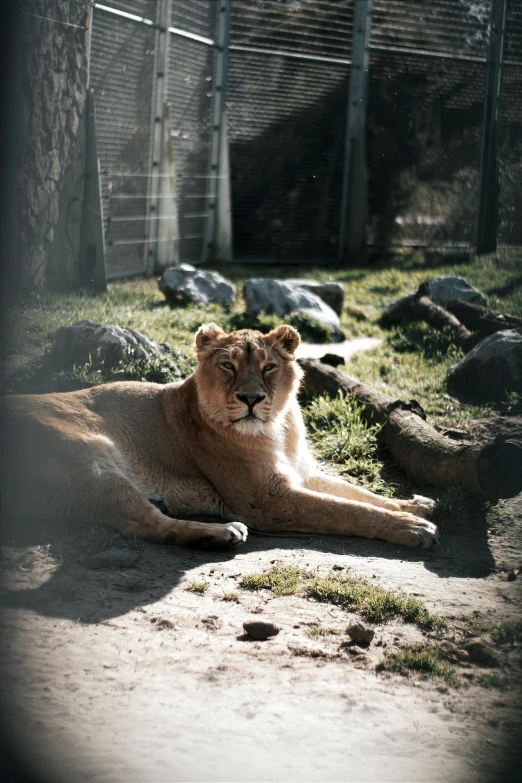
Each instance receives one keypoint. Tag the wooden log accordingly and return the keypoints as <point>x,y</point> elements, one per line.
<point>483,320</point>
<point>425,309</point>
<point>490,471</point>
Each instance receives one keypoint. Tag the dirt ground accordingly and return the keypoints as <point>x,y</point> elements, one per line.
<point>114,671</point>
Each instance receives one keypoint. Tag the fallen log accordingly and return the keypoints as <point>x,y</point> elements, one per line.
<point>423,308</point>
<point>419,306</point>
<point>483,320</point>
<point>490,471</point>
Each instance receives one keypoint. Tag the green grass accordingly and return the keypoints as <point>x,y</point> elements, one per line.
<point>231,596</point>
<point>340,435</point>
<point>317,632</point>
<point>494,680</point>
<point>373,602</point>
<point>197,587</point>
<point>426,662</point>
<point>508,633</point>
<point>280,580</point>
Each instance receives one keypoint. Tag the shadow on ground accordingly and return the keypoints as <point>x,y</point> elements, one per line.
<point>71,587</point>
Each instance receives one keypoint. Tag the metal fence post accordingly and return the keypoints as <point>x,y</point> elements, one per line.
<point>92,242</point>
<point>354,204</point>
<point>487,210</point>
<point>219,223</point>
<point>162,64</point>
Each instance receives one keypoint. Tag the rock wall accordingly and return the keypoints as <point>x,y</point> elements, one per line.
<point>47,144</point>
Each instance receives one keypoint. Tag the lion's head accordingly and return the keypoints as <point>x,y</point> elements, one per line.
<point>246,379</point>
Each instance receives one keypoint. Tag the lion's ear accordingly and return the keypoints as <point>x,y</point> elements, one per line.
<point>286,336</point>
<point>206,334</point>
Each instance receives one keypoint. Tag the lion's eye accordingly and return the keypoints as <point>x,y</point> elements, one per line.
<point>228,365</point>
<point>269,367</point>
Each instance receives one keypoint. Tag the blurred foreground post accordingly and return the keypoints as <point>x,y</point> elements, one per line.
<point>487,212</point>
<point>354,207</point>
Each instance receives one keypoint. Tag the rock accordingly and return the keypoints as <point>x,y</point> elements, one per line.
<point>512,575</point>
<point>360,634</point>
<point>283,298</point>
<point>462,655</point>
<point>479,652</point>
<point>450,288</point>
<point>491,368</point>
<point>259,630</point>
<point>74,344</point>
<point>331,293</point>
<point>184,284</point>
<point>112,558</point>
<point>332,359</point>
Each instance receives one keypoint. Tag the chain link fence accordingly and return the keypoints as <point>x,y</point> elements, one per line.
<point>289,65</point>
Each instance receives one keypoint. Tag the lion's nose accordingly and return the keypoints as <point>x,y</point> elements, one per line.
<point>250,399</point>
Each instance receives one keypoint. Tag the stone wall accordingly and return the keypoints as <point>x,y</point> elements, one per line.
<point>48,144</point>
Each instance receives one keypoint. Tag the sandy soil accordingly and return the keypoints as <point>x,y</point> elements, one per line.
<point>121,674</point>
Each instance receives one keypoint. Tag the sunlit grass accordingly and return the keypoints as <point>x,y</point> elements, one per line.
<point>426,662</point>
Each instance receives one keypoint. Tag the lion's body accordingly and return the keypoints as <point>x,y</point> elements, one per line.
<point>228,441</point>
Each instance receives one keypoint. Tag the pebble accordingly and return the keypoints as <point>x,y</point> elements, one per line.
<point>462,655</point>
<point>360,634</point>
<point>259,630</point>
<point>512,575</point>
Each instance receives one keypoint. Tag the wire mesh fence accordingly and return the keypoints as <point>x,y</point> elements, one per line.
<point>510,132</point>
<point>288,75</point>
<point>286,99</point>
<point>122,71</point>
<point>190,92</point>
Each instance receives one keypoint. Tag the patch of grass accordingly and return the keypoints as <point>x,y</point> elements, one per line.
<point>341,435</point>
<point>280,580</point>
<point>508,633</point>
<point>426,662</point>
<point>197,587</point>
<point>376,604</point>
<point>317,632</point>
<point>233,597</point>
<point>493,680</point>
<point>453,506</point>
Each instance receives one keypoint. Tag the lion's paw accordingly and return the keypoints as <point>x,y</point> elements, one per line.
<point>424,535</point>
<point>419,506</point>
<point>223,536</point>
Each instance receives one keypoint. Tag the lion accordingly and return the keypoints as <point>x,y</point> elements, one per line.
<point>228,441</point>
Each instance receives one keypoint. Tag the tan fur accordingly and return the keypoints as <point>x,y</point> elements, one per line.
<point>228,441</point>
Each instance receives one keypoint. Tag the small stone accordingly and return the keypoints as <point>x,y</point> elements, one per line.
<point>360,633</point>
<point>112,558</point>
<point>512,575</point>
<point>332,359</point>
<point>337,568</point>
<point>462,655</point>
<point>259,630</point>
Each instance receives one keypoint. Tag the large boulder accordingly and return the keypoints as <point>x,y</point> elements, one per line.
<point>490,369</point>
<point>281,298</point>
<point>185,284</point>
<point>451,288</point>
<point>330,292</point>
<point>74,344</point>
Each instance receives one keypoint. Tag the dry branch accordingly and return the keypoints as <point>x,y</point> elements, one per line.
<point>425,309</point>
<point>491,471</point>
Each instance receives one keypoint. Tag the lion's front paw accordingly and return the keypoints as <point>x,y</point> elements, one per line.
<point>222,536</point>
<point>419,506</point>
<point>423,534</point>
